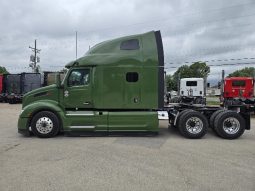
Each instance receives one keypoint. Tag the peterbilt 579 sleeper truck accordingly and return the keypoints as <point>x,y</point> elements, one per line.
<point>118,87</point>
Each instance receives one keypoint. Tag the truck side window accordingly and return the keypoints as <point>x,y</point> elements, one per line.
<point>191,83</point>
<point>132,44</point>
<point>132,77</point>
<point>238,83</point>
<point>79,77</point>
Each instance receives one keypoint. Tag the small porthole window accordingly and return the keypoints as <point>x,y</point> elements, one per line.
<point>132,44</point>
<point>132,77</point>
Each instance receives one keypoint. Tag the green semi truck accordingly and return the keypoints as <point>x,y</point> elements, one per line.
<point>118,87</point>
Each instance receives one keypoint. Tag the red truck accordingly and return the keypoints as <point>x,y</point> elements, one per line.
<point>238,90</point>
<point>1,88</point>
<point>1,83</point>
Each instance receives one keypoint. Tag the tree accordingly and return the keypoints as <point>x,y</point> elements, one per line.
<point>169,82</point>
<point>199,70</point>
<point>3,70</point>
<point>196,70</point>
<point>245,72</point>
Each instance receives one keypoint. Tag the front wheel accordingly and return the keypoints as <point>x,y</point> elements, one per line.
<point>45,124</point>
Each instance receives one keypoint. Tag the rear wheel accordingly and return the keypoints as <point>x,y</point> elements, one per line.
<point>193,125</point>
<point>229,125</point>
<point>181,114</point>
<point>213,116</point>
<point>45,124</point>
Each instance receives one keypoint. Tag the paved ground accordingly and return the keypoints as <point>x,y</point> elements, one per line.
<point>164,162</point>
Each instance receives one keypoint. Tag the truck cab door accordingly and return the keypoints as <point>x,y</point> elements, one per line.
<point>77,91</point>
<point>78,103</point>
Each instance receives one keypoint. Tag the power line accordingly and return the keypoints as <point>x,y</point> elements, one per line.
<point>214,65</point>
<point>233,64</point>
<point>206,51</point>
<point>213,60</point>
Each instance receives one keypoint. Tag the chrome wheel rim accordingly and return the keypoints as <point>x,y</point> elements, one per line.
<point>231,125</point>
<point>44,125</point>
<point>194,125</point>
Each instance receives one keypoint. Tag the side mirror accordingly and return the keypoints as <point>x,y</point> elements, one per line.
<point>57,80</point>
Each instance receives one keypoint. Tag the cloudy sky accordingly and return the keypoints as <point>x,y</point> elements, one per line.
<point>219,31</point>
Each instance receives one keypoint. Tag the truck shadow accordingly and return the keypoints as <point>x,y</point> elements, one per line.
<point>174,132</point>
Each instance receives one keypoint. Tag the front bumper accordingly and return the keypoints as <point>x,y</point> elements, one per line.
<point>24,132</point>
<point>23,126</point>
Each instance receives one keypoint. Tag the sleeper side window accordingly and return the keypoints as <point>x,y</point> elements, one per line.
<point>132,44</point>
<point>132,77</point>
<point>79,77</point>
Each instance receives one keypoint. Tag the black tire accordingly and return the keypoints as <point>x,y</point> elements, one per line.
<point>48,124</point>
<point>213,116</point>
<point>221,122</point>
<point>181,114</point>
<point>186,118</point>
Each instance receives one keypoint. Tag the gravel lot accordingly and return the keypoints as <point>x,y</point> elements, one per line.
<point>165,162</point>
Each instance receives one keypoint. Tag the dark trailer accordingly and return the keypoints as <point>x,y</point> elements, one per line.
<point>19,84</point>
<point>49,77</point>
<point>2,87</point>
<point>13,87</point>
<point>30,81</point>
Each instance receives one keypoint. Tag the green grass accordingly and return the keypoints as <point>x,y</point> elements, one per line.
<point>212,102</point>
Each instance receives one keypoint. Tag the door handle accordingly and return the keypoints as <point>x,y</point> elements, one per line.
<point>86,103</point>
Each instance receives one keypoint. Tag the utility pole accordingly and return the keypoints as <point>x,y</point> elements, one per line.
<point>222,82</point>
<point>178,83</point>
<point>205,85</point>
<point>254,74</point>
<point>205,82</point>
<point>34,58</point>
<point>76,45</point>
<point>165,84</point>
